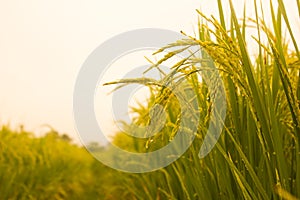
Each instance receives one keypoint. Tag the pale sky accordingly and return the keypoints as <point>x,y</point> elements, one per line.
<point>44,43</point>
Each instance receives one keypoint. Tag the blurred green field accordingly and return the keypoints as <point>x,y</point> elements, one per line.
<point>256,157</point>
<point>49,167</point>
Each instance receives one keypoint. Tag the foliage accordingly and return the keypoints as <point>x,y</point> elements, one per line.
<point>257,156</point>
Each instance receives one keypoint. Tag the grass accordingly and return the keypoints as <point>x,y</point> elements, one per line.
<point>256,157</point>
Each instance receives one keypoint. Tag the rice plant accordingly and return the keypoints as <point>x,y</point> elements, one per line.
<point>257,155</point>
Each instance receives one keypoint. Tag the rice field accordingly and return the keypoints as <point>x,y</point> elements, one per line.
<point>256,157</point>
